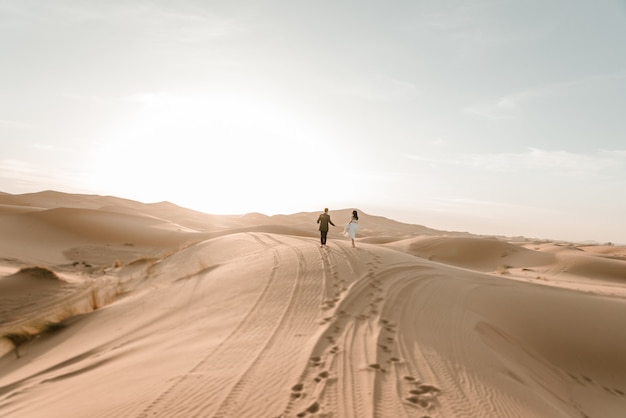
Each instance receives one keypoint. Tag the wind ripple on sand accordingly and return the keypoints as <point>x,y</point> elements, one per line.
<point>408,340</point>
<point>343,332</point>
<point>245,361</point>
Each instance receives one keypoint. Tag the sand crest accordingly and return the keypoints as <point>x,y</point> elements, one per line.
<point>115,308</point>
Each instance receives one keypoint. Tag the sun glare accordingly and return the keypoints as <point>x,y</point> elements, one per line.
<point>223,153</point>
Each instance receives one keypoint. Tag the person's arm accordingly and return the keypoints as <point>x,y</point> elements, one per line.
<point>331,222</point>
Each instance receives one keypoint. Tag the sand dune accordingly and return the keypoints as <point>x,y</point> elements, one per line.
<point>156,311</point>
<point>484,254</point>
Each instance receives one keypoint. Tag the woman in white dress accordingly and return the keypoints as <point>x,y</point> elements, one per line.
<point>352,227</point>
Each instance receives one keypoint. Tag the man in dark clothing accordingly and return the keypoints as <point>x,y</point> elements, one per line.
<point>324,220</point>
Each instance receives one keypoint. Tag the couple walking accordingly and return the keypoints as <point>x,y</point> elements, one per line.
<point>349,230</point>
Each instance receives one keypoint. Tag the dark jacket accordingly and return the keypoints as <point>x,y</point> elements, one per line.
<point>324,220</point>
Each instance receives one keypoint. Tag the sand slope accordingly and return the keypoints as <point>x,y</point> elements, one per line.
<point>253,319</point>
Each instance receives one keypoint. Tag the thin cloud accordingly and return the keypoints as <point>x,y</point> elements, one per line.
<point>191,27</point>
<point>506,107</point>
<point>15,166</point>
<point>438,142</point>
<point>379,87</point>
<point>562,163</point>
<point>480,207</point>
<point>614,153</point>
<point>12,124</point>
<point>146,98</point>
<point>176,22</point>
<point>469,29</point>
<point>22,176</point>
<point>42,147</point>
<point>510,106</point>
<point>19,174</point>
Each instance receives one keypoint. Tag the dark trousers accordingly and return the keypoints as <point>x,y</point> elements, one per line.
<point>323,235</point>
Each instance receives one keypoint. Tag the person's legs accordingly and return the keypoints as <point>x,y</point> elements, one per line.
<point>323,237</point>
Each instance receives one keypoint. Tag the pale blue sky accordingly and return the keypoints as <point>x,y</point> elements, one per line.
<point>493,117</point>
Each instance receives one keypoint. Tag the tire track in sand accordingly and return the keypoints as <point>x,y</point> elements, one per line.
<point>296,320</point>
<point>333,382</point>
<point>183,390</point>
<point>356,369</point>
<point>236,363</point>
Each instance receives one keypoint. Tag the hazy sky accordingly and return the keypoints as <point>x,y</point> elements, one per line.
<point>494,117</point>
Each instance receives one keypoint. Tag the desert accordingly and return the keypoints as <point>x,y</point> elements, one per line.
<point>164,170</point>
<point>115,308</point>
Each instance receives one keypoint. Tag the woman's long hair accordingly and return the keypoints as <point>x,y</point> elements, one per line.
<point>355,215</point>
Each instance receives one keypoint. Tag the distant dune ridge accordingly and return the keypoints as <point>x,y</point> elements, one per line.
<point>115,308</point>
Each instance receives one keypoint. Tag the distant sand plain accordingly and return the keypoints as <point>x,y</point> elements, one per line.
<point>114,308</point>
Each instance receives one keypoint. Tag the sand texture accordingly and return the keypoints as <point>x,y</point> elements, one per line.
<point>114,308</point>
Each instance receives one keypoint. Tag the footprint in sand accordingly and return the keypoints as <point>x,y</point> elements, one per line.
<point>582,379</point>
<point>426,404</point>
<point>587,379</point>
<point>296,391</point>
<point>323,375</point>
<point>385,348</point>
<point>423,395</point>
<point>315,407</point>
<point>376,367</point>
<point>316,361</point>
<point>608,389</point>
<point>312,409</point>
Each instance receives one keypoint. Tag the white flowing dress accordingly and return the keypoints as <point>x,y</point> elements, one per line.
<point>351,228</point>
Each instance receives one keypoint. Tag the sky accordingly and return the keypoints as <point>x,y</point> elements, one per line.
<point>493,117</point>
